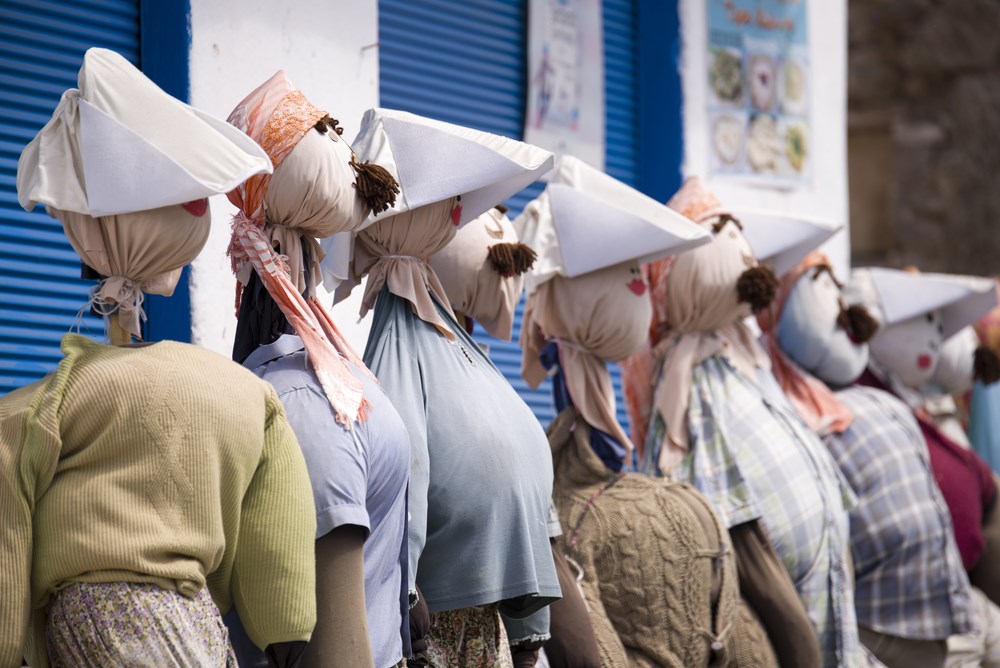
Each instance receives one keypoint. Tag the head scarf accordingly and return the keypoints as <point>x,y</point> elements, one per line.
<point>697,313</point>
<point>595,318</point>
<point>313,192</point>
<point>394,251</point>
<point>482,271</point>
<point>814,401</point>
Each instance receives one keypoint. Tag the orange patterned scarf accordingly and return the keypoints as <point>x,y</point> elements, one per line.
<point>277,116</point>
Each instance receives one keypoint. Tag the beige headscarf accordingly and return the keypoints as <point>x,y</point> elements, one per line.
<point>394,252</point>
<point>481,270</point>
<point>697,314</point>
<point>141,252</point>
<point>596,318</point>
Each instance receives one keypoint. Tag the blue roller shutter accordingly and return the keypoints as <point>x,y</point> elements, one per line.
<point>465,62</point>
<point>41,48</point>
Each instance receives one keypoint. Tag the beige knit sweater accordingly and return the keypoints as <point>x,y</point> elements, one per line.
<point>651,570</point>
<point>166,464</point>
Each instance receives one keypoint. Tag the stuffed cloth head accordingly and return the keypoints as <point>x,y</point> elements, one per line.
<point>700,301</point>
<point>448,175</point>
<point>596,318</point>
<point>587,292</point>
<point>316,190</point>
<point>394,251</point>
<point>809,333</point>
<point>482,271</point>
<point>126,168</point>
<point>917,313</point>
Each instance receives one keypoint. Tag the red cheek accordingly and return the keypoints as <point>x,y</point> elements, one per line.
<point>196,208</point>
<point>638,286</point>
<point>924,361</point>
<point>456,214</point>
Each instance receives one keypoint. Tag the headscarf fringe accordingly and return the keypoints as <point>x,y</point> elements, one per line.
<point>376,186</point>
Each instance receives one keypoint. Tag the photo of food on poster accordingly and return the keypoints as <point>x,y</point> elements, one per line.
<point>758,91</point>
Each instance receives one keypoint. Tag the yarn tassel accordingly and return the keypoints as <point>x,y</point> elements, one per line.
<point>857,322</point>
<point>509,259</point>
<point>757,287</point>
<point>986,366</point>
<point>376,186</point>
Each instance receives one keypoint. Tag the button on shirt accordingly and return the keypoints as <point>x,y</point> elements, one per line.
<point>359,480</point>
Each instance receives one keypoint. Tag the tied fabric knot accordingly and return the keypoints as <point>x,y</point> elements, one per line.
<point>121,296</point>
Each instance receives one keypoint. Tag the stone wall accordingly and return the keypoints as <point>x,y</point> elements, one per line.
<point>924,133</point>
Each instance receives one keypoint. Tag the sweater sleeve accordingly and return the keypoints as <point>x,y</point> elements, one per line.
<point>274,575</point>
<point>18,487</point>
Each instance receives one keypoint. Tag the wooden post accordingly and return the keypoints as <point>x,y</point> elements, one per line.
<point>119,337</point>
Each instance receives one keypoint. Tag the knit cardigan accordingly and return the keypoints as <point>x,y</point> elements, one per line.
<point>163,464</point>
<point>649,565</point>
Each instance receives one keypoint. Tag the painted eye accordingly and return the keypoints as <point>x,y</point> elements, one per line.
<point>941,328</point>
<point>930,317</point>
<point>732,234</point>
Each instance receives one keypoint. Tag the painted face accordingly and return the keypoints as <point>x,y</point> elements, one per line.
<point>637,283</point>
<point>812,335</point>
<point>910,349</point>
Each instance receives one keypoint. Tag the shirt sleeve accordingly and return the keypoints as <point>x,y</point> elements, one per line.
<point>274,577</point>
<point>402,379</point>
<point>29,447</point>
<point>336,461</point>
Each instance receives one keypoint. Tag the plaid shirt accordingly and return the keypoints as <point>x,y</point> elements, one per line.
<point>754,459</point>
<point>909,576</point>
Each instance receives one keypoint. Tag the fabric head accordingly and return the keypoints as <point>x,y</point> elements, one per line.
<point>482,271</point>
<point>816,328</point>
<point>316,190</point>
<point>806,336</point>
<point>141,252</point>
<point>126,168</point>
<point>394,251</point>
<point>955,369</point>
<point>596,318</point>
<point>448,175</point>
<point>917,313</point>
<point>698,312</point>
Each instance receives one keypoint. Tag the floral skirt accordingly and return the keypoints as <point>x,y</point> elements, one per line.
<point>469,638</point>
<point>135,625</point>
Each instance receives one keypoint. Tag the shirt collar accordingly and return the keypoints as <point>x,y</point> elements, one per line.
<point>285,345</point>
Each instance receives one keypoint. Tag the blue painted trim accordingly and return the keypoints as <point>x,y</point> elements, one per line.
<point>164,53</point>
<point>660,104</point>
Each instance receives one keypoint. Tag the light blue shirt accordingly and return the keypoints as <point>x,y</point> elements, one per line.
<point>480,470</point>
<point>359,481</point>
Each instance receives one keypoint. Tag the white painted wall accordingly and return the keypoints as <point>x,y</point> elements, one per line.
<point>826,196</point>
<point>330,52</point>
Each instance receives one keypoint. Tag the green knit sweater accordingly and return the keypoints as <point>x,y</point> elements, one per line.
<point>163,464</point>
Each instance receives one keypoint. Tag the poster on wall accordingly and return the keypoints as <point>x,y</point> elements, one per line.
<point>565,111</point>
<point>758,91</point>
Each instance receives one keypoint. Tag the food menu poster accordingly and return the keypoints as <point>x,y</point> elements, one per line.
<point>758,91</point>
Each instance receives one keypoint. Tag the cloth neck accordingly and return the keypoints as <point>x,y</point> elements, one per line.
<point>610,451</point>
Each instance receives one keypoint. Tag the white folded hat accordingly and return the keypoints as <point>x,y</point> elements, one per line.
<point>895,296</point>
<point>781,240</point>
<point>586,220</point>
<point>119,144</point>
<point>433,160</point>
